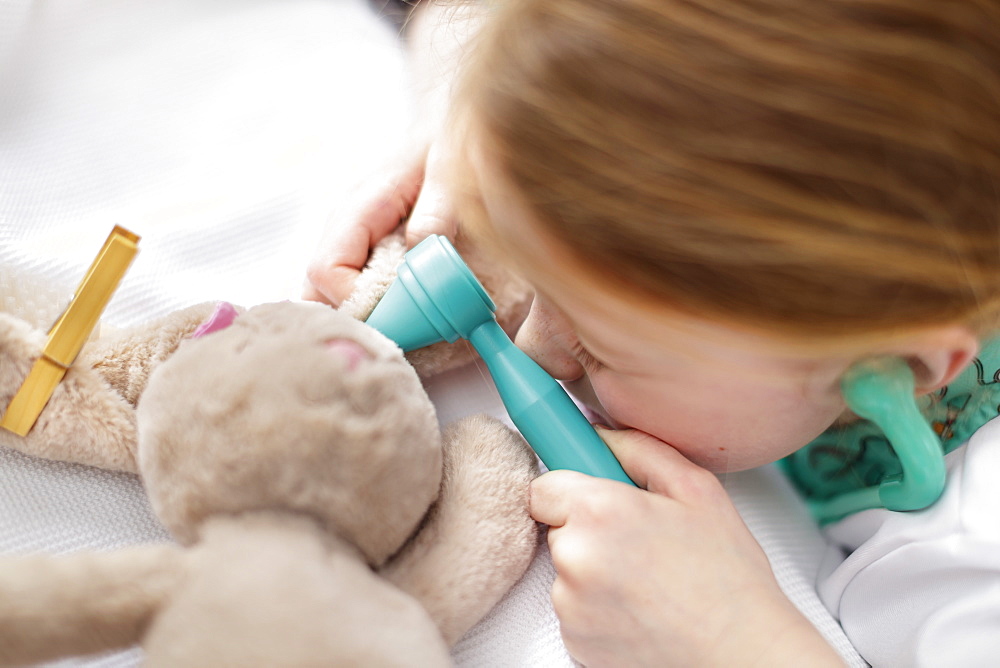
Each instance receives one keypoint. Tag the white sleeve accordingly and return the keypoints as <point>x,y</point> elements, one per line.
<point>923,588</point>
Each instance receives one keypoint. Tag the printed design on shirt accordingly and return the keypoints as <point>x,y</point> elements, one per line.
<point>959,409</point>
<point>945,427</point>
<point>862,460</point>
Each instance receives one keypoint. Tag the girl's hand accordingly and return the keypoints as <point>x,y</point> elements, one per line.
<point>413,188</point>
<point>668,576</point>
<point>411,191</point>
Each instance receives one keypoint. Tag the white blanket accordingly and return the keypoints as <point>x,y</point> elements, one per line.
<point>225,133</point>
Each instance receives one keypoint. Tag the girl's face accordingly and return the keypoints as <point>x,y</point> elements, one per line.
<point>727,399</point>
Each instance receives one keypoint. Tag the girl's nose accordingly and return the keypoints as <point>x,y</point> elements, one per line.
<point>546,337</point>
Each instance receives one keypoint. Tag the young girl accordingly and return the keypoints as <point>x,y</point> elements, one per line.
<point>724,207</point>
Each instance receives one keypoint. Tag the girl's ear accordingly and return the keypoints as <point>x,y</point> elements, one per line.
<point>939,355</point>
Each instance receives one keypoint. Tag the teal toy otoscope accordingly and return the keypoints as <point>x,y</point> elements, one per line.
<point>436,298</point>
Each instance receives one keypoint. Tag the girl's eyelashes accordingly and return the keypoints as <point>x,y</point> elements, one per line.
<point>589,362</point>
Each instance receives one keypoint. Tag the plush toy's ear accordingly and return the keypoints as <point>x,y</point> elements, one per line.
<point>375,279</point>
<point>57,606</point>
<point>512,296</point>
<point>126,359</point>
<point>222,317</point>
<point>478,539</point>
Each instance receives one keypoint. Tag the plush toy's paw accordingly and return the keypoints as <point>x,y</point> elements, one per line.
<point>511,295</point>
<point>478,539</point>
<point>58,606</point>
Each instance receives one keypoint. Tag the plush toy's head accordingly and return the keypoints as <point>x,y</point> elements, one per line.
<point>298,408</point>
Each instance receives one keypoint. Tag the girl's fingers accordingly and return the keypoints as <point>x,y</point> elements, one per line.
<point>553,494</point>
<point>651,463</point>
<point>432,213</point>
<point>332,272</point>
<point>380,206</point>
<point>658,467</point>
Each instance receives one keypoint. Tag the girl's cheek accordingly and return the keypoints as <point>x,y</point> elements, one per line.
<point>632,406</point>
<point>621,405</point>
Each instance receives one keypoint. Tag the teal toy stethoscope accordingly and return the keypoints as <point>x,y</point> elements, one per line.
<point>436,298</point>
<point>881,391</point>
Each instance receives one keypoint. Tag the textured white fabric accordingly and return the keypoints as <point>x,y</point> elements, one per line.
<point>224,132</point>
<point>923,588</point>
<point>794,545</point>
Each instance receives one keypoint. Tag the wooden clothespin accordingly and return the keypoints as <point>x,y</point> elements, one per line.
<point>71,330</point>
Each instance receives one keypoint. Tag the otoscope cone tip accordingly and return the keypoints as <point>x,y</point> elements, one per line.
<point>399,317</point>
<point>435,298</point>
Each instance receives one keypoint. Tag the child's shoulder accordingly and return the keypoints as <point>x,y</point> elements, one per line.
<point>919,588</point>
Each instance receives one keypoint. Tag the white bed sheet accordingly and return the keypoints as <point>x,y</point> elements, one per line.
<point>224,133</point>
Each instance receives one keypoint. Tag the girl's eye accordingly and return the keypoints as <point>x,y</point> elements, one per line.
<point>589,362</point>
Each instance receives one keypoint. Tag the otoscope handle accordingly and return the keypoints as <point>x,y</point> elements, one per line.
<point>542,410</point>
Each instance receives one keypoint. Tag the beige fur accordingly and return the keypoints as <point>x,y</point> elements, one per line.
<point>324,518</point>
<point>126,358</point>
<point>468,511</point>
<point>77,604</point>
<point>90,418</point>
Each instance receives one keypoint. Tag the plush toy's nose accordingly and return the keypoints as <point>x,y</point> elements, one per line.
<point>351,352</point>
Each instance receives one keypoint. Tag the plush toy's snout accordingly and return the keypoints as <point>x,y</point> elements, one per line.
<point>352,352</point>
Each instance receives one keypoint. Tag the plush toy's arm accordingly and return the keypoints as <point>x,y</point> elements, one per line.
<point>84,421</point>
<point>56,606</point>
<point>90,418</point>
<point>275,590</point>
<point>478,539</point>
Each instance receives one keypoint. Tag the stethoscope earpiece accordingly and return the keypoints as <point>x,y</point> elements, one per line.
<point>882,391</point>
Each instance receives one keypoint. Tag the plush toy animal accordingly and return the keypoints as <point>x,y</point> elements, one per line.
<point>321,516</point>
